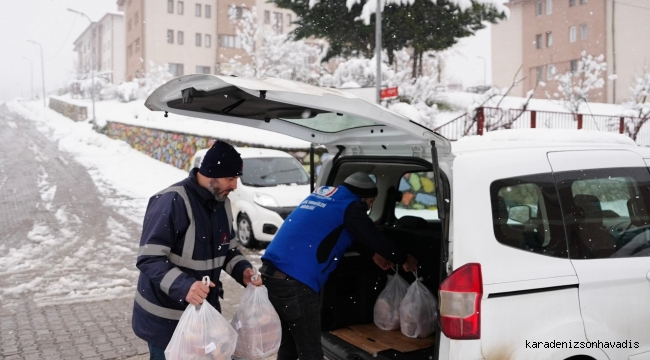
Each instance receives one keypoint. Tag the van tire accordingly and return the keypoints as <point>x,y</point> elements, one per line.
<point>580,357</point>
<point>245,232</point>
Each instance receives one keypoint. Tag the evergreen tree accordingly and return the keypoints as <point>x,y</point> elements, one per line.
<point>423,25</point>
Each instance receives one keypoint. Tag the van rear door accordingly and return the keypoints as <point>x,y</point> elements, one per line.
<point>605,197</point>
<point>318,115</point>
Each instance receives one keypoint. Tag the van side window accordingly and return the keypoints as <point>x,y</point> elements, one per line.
<point>418,196</point>
<point>526,215</point>
<point>606,212</point>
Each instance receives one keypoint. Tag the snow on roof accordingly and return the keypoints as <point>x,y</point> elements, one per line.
<point>536,137</point>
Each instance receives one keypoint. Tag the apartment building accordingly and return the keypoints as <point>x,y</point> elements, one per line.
<point>104,39</point>
<point>542,37</point>
<point>185,36</point>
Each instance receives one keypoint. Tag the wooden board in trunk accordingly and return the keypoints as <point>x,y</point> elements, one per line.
<point>372,339</point>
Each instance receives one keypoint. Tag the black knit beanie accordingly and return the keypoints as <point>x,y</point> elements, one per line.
<point>222,160</point>
<point>361,184</point>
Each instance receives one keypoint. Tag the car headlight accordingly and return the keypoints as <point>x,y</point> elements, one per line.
<point>264,200</point>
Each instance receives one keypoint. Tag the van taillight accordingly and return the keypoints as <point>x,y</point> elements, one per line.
<point>460,303</point>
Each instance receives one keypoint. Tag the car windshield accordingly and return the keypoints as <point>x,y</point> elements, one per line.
<point>272,171</point>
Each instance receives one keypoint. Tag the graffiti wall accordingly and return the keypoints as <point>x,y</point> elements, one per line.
<point>177,148</point>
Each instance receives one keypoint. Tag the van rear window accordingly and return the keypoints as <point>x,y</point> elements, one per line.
<point>526,215</point>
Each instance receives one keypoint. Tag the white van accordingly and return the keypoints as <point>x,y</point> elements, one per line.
<point>273,184</point>
<point>536,250</point>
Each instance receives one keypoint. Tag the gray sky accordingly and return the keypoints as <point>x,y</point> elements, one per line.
<point>49,23</point>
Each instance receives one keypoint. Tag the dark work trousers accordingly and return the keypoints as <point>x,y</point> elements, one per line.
<point>298,306</point>
<point>156,353</point>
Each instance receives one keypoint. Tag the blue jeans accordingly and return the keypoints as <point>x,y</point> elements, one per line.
<point>299,309</point>
<point>156,353</point>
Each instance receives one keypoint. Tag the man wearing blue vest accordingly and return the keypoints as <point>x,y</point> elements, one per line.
<point>307,248</point>
<point>187,234</point>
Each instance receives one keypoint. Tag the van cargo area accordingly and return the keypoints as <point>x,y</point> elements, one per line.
<point>348,298</point>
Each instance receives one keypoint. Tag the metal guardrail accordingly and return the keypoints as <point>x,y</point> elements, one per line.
<point>486,119</point>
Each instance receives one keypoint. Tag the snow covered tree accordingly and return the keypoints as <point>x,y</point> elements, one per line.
<point>422,25</point>
<point>574,86</point>
<point>639,104</point>
<point>272,54</point>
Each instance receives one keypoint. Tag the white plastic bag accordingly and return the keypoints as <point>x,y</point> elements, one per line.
<point>257,324</point>
<point>386,313</point>
<point>418,312</point>
<point>202,333</point>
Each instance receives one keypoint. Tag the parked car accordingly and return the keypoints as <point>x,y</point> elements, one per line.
<point>536,250</point>
<point>273,184</point>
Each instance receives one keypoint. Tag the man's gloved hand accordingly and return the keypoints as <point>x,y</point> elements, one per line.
<point>198,292</point>
<point>411,264</point>
<point>248,277</point>
<point>382,262</point>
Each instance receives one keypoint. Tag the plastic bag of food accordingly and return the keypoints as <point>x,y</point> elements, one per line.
<point>386,313</point>
<point>202,333</point>
<point>257,324</point>
<point>418,314</point>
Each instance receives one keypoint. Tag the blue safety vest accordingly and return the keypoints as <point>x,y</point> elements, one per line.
<point>312,240</point>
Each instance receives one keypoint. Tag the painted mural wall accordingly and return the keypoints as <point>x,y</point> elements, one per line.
<point>177,148</point>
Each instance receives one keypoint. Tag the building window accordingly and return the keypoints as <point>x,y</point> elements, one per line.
<point>549,7</point>
<point>197,10</point>
<point>583,31</point>
<point>170,6</point>
<point>582,2</point>
<point>208,40</point>
<point>136,19</point>
<point>230,41</point>
<point>574,66</point>
<point>170,36</point>
<point>277,22</point>
<point>540,73</point>
<point>202,69</point>
<point>181,8</point>
<point>539,8</point>
<point>208,11</point>
<point>550,72</point>
<point>181,38</point>
<point>267,17</point>
<point>239,12</point>
<point>175,69</point>
<point>129,25</point>
<point>549,39</point>
<point>137,45</point>
<point>129,51</point>
<point>572,34</point>
<point>572,3</point>
<point>288,19</point>
<point>538,41</point>
<point>198,39</point>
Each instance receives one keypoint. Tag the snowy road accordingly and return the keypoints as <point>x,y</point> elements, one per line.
<point>60,242</point>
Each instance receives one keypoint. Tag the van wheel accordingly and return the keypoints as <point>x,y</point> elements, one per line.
<point>245,232</point>
<point>580,357</point>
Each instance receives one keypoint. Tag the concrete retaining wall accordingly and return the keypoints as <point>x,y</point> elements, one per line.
<point>74,112</point>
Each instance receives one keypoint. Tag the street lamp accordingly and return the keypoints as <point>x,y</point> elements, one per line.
<point>31,74</point>
<point>484,69</point>
<point>378,49</point>
<point>92,58</point>
<point>42,69</point>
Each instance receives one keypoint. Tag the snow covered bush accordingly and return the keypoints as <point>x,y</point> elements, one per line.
<point>574,87</point>
<point>639,104</point>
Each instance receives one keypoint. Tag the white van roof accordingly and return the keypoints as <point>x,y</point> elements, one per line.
<point>518,138</point>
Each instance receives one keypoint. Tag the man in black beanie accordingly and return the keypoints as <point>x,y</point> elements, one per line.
<point>187,234</point>
<point>306,250</point>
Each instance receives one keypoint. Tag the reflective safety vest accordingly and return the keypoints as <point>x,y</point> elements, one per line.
<point>166,276</point>
<point>312,240</point>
